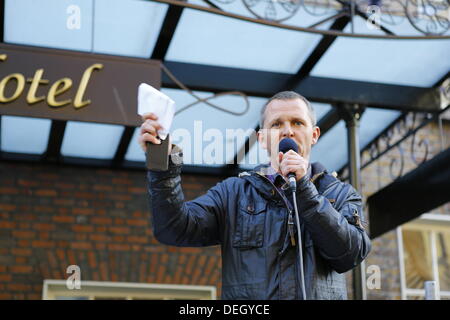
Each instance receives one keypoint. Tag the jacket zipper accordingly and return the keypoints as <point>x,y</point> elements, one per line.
<point>290,223</point>
<point>290,227</point>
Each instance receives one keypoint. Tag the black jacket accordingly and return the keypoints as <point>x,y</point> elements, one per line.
<point>248,217</point>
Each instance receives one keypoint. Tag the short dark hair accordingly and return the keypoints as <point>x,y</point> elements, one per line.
<point>287,95</point>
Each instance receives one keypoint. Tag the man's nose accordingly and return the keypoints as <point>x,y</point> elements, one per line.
<point>287,131</point>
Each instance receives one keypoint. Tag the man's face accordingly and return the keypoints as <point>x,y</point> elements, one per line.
<point>288,119</point>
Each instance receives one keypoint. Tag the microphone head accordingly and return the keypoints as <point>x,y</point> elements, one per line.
<point>287,144</point>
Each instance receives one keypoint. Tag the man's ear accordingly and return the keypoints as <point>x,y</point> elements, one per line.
<point>316,134</point>
<point>262,139</point>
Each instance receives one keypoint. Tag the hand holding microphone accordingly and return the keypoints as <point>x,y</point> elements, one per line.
<point>291,164</point>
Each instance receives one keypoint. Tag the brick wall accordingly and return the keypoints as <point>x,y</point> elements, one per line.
<point>376,176</point>
<point>55,216</point>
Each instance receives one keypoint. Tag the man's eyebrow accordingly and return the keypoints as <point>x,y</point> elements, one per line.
<point>274,120</point>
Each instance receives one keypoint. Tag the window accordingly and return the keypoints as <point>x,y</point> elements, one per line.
<point>95,290</point>
<point>424,255</point>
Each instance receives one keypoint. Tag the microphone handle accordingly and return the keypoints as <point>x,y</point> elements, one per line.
<point>292,181</point>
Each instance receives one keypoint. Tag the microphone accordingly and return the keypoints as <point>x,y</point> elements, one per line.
<point>285,145</point>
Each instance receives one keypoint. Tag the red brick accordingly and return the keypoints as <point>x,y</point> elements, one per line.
<point>64,202</point>
<point>137,214</point>
<point>137,222</point>
<point>65,186</point>
<point>120,197</point>
<point>190,264</point>
<point>137,190</point>
<point>191,250</point>
<point>137,239</point>
<point>44,226</point>
<point>82,228</point>
<point>84,211</point>
<point>161,273</point>
<point>101,212</point>
<point>118,247</point>
<point>81,245</point>
<point>120,205</point>
<point>5,296</point>
<point>99,237</point>
<point>136,248</point>
<point>44,235</point>
<point>19,287</point>
<point>81,237</point>
<point>9,190</point>
<point>21,260</point>
<point>5,277</point>
<point>48,176</point>
<point>121,181</point>
<point>23,234</point>
<point>2,269</point>
<point>24,226</point>
<point>64,219</point>
<point>100,246</point>
<point>119,230</point>
<point>27,183</point>
<point>101,220</point>
<point>210,267</point>
<point>99,187</point>
<point>60,254</point>
<point>7,225</point>
<point>23,243</point>
<point>92,260</point>
<point>42,244</point>
<point>45,193</point>
<point>25,217</point>
<point>119,221</point>
<point>21,269</point>
<point>63,244</point>
<point>44,209</point>
<point>118,238</point>
<point>63,211</point>
<point>101,229</point>
<point>7,207</point>
<point>84,195</point>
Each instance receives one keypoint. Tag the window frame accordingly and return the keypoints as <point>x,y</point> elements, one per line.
<point>127,290</point>
<point>431,223</point>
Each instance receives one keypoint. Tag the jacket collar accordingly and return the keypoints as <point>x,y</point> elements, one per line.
<point>257,177</point>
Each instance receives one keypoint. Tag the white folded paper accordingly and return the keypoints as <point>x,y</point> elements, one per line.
<point>153,100</point>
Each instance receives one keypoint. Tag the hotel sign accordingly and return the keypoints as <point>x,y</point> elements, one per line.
<point>66,85</point>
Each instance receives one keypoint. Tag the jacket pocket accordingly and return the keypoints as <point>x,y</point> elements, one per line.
<point>249,228</point>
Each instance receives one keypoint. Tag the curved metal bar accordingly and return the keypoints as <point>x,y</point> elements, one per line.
<point>295,28</point>
<point>205,100</point>
<point>394,161</point>
<point>422,142</point>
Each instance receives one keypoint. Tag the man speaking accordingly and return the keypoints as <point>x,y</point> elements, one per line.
<point>287,230</point>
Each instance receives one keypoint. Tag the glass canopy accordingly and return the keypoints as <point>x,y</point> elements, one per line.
<point>132,28</point>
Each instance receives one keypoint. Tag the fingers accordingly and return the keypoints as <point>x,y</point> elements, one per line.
<point>292,162</point>
<point>149,131</point>
<point>149,116</point>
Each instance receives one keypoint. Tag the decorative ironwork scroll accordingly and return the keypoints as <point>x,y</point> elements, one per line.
<point>394,137</point>
<point>429,17</point>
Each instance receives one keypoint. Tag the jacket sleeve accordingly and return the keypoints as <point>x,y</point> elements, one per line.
<point>176,222</point>
<point>340,238</point>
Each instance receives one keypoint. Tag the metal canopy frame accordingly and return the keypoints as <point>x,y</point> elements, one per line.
<point>348,98</point>
<point>217,79</point>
